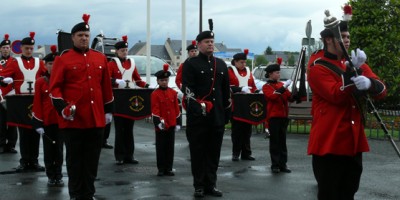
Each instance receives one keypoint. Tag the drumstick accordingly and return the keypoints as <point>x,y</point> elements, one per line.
<point>47,137</point>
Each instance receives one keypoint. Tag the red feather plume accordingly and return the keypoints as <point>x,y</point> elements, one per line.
<point>279,60</point>
<point>53,49</point>
<point>165,67</point>
<point>125,38</point>
<point>6,36</point>
<point>347,9</point>
<point>32,35</point>
<point>194,42</point>
<point>246,51</point>
<point>85,18</point>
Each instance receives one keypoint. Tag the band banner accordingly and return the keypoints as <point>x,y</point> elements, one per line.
<point>19,110</point>
<point>249,108</point>
<point>132,103</point>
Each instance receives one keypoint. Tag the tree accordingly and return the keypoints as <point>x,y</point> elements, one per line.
<point>261,60</point>
<point>268,51</point>
<point>375,29</point>
<point>291,60</point>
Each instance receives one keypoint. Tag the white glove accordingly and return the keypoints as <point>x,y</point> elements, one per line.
<point>246,89</point>
<point>361,82</point>
<point>108,118</point>
<point>359,58</point>
<point>40,131</point>
<point>161,126</point>
<point>8,80</point>
<point>119,81</point>
<point>177,128</point>
<point>287,83</point>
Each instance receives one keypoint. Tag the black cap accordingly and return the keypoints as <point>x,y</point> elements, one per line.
<point>192,46</point>
<point>343,25</point>
<point>238,56</point>
<point>122,44</point>
<point>164,73</point>
<point>51,56</point>
<point>206,34</point>
<point>29,40</point>
<point>83,26</point>
<point>272,68</point>
<point>6,41</point>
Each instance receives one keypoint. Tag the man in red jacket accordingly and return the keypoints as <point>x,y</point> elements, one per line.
<point>192,52</point>
<point>337,137</point>
<point>81,92</point>
<point>277,96</point>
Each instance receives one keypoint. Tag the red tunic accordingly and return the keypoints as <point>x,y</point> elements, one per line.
<point>337,126</point>
<point>126,64</point>
<point>165,106</point>
<point>9,87</point>
<point>82,79</point>
<point>43,109</point>
<point>277,104</point>
<point>178,78</point>
<point>12,70</point>
<point>234,81</point>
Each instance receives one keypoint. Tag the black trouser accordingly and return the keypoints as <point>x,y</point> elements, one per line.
<point>29,141</point>
<point>241,134</point>
<point>338,177</point>
<point>83,147</point>
<point>8,134</point>
<point>165,141</point>
<point>205,142</point>
<point>124,146</point>
<point>107,131</point>
<point>277,142</point>
<point>53,152</point>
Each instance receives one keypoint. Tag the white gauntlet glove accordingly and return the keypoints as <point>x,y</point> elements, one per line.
<point>287,83</point>
<point>40,131</point>
<point>108,118</point>
<point>361,82</point>
<point>246,89</point>
<point>8,80</point>
<point>358,58</point>
<point>160,126</point>
<point>177,128</point>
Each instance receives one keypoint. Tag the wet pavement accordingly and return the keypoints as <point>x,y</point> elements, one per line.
<point>237,180</point>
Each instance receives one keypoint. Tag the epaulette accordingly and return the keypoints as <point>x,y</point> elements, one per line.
<point>65,51</point>
<point>317,51</point>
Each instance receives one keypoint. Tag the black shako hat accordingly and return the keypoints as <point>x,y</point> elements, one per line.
<point>273,67</point>
<point>122,44</point>
<point>328,33</point>
<point>240,56</point>
<point>6,41</point>
<point>29,40</point>
<point>51,56</point>
<point>83,26</point>
<point>192,46</point>
<point>206,34</point>
<point>164,73</point>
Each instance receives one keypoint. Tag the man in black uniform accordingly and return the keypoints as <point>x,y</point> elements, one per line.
<point>8,134</point>
<point>205,82</point>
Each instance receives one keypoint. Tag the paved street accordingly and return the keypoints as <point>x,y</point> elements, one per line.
<point>237,180</point>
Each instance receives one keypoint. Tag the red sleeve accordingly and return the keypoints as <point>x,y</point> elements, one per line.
<point>38,101</point>
<point>42,70</point>
<point>252,84</point>
<point>232,78</point>
<point>57,79</point>
<point>106,86</point>
<point>137,79</point>
<point>155,104</point>
<point>177,110</point>
<point>178,79</point>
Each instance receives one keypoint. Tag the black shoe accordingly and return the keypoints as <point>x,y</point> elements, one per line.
<point>169,173</point>
<point>51,182</point>
<point>132,161</point>
<point>37,168</point>
<point>22,168</point>
<point>213,192</point>
<point>199,193</point>
<point>275,170</point>
<point>285,169</point>
<point>59,183</point>
<point>235,158</point>
<point>160,173</point>
<point>107,146</point>
<point>119,162</point>
<point>9,150</point>
<point>248,158</point>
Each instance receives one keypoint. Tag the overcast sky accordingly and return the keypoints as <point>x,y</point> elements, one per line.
<point>252,24</point>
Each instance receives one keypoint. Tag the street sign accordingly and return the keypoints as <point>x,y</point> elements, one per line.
<point>223,54</point>
<point>308,29</point>
<point>16,46</point>
<point>307,41</point>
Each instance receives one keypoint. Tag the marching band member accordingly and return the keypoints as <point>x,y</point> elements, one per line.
<point>337,138</point>
<point>8,134</point>
<point>166,114</point>
<point>277,96</point>
<point>44,120</point>
<point>81,92</point>
<point>122,71</point>
<point>241,81</point>
<point>192,52</point>
<point>205,82</point>
<point>23,72</point>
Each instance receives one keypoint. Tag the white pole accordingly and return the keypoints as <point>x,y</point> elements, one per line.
<point>184,52</point>
<point>148,45</point>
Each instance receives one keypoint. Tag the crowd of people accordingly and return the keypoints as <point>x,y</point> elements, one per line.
<point>73,107</point>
